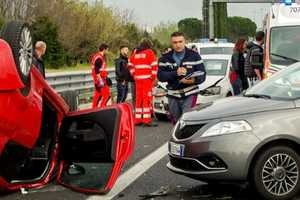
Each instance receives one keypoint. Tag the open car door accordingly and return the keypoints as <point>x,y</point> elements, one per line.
<point>94,146</point>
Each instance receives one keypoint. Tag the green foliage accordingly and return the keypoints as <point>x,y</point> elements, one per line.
<point>240,27</point>
<point>220,19</point>
<point>74,29</point>
<point>191,27</point>
<point>1,22</point>
<point>163,31</point>
<point>44,29</point>
<point>132,35</point>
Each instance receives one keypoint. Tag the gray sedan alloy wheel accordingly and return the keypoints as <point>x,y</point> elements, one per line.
<point>276,173</point>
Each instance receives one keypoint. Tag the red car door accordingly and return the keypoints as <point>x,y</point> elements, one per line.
<point>94,146</point>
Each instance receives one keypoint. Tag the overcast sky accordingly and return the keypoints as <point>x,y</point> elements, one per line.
<point>149,13</point>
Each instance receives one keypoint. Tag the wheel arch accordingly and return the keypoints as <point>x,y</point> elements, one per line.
<point>283,140</point>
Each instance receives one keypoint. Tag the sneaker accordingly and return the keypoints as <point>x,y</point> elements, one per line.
<point>139,124</point>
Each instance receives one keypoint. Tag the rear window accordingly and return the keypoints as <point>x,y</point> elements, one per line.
<point>216,50</point>
<point>215,67</point>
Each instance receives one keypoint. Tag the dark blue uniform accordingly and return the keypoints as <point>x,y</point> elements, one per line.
<point>181,96</point>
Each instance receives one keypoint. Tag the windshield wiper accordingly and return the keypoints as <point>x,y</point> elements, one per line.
<point>285,57</point>
<point>262,96</point>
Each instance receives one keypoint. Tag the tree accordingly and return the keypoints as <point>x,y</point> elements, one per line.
<point>163,31</point>
<point>192,27</point>
<point>17,9</point>
<point>240,27</point>
<point>132,35</point>
<point>1,22</point>
<point>76,28</point>
<point>220,20</point>
<point>44,29</point>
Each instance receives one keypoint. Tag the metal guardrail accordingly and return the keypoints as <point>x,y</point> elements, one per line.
<point>80,81</point>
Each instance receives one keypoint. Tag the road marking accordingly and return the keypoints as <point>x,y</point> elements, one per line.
<point>134,173</point>
<point>52,188</point>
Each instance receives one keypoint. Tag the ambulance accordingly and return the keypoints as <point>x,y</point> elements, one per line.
<point>282,27</point>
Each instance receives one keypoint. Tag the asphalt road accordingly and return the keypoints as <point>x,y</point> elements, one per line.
<point>157,178</point>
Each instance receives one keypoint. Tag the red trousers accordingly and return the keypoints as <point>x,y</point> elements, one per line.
<point>143,101</point>
<point>101,97</point>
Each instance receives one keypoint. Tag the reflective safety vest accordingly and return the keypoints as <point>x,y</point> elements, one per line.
<point>100,81</point>
<point>143,65</point>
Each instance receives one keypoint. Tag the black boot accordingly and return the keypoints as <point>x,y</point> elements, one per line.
<point>151,124</point>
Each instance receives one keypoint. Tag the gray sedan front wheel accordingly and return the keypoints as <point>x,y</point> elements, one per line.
<point>276,173</point>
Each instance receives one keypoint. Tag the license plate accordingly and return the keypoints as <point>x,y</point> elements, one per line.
<point>176,149</point>
<point>157,105</point>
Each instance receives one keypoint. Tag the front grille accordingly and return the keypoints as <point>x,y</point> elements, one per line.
<point>185,164</point>
<point>187,131</point>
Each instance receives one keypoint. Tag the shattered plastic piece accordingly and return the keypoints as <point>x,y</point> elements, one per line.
<point>224,198</point>
<point>202,196</point>
<point>121,195</point>
<point>24,191</point>
<point>181,189</point>
<point>163,191</point>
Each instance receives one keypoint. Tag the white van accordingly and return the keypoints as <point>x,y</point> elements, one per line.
<point>282,27</point>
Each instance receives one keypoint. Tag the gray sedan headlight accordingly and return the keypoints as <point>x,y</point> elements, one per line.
<point>212,91</point>
<point>228,127</point>
<point>159,92</point>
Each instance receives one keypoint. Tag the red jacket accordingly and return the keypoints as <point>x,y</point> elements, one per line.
<point>99,67</point>
<point>143,65</point>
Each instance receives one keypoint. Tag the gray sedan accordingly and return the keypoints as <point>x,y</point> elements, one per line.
<point>254,137</point>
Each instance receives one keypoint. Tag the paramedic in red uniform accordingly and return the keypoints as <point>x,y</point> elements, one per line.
<point>144,66</point>
<point>99,73</point>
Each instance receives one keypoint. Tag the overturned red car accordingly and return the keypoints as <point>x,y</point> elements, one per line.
<point>42,140</point>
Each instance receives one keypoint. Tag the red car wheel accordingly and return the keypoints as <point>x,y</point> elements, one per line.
<point>18,36</point>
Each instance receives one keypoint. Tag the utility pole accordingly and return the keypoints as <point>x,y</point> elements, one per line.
<point>205,14</point>
<point>211,20</point>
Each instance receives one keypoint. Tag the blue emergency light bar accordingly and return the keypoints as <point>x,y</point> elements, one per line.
<point>204,40</point>
<point>288,2</point>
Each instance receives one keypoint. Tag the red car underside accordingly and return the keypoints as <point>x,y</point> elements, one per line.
<point>40,139</point>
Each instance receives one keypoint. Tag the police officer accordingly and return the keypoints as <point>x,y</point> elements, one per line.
<point>143,67</point>
<point>101,81</point>
<point>183,70</point>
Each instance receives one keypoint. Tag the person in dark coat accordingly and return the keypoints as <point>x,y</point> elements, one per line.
<point>237,76</point>
<point>39,51</point>
<point>254,62</point>
<point>122,74</point>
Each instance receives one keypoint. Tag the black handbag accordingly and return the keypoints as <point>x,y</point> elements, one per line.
<point>109,82</point>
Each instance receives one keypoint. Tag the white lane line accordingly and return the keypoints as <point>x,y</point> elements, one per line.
<point>134,173</point>
<point>52,188</point>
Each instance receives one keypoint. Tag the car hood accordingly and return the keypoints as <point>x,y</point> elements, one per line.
<point>211,81</point>
<point>234,106</point>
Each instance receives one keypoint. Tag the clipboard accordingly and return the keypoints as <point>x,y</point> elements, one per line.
<point>193,75</point>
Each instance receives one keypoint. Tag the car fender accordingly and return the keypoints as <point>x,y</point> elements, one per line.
<point>264,143</point>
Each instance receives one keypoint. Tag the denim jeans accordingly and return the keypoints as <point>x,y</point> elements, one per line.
<point>122,90</point>
<point>177,106</point>
<point>237,86</point>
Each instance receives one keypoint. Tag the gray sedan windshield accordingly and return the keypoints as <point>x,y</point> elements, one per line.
<point>284,85</point>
